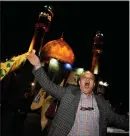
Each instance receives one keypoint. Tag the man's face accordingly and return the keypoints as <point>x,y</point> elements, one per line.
<point>86,82</point>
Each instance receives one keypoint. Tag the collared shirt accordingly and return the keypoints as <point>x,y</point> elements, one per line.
<point>87,121</point>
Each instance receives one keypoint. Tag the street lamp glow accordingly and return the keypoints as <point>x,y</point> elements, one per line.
<point>68,66</point>
<point>79,71</point>
<point>103,83</point>
<point>106,84</point>
<point>53,64</point>
<point>32,84</point>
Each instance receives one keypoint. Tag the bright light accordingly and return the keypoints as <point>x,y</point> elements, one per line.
<point>54,65</point>
<point>103,83</point>
<point>50,7</point>
<point>100,83</point>
<point>79,71</point>
<point>53,62</point>
<point>32,84</point>
<point>96,70</point>
<point>106,84</point>
<point>68,66</point>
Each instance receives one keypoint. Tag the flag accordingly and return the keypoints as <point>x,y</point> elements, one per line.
<point>14,62</point>
<point>38,100</point>
<point>32,44</point>
<point>11,65</point>
<point>44,102</point>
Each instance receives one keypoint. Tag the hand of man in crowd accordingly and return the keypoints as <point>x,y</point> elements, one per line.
<point>33,59</point>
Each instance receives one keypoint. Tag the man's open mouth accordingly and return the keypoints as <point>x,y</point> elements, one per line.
<point>87,84</point>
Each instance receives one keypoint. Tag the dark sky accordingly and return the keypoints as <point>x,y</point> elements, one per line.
<point>79,21</point>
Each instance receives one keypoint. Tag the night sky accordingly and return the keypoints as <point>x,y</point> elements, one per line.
<point>79,21</point>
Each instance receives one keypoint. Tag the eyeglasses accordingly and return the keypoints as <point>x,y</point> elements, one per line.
<point>88,108</point>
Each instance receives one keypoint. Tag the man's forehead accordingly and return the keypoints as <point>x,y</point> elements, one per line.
<point>87,73</point>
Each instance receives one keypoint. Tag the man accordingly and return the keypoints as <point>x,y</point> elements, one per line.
<point>81,113</point>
